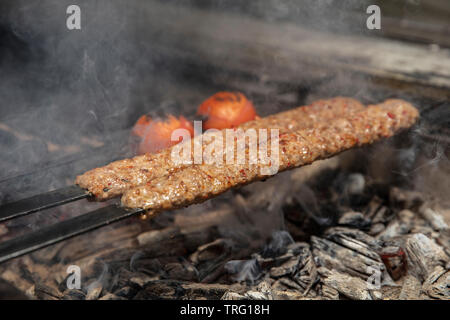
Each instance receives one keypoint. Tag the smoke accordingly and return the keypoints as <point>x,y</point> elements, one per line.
<point>63,91</point>
<point>278,244</point>
<point>64,94</point>
<point>244,270</point>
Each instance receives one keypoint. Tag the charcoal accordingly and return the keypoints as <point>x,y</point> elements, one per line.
<point>355,220</point>
<point>288,268</point>
<point>278,243</point>
<point>179,271</point>
<point>10,292</point>
<point>350,287</point>
<point>125,292</point>
<point>394,258</point>
<point>355,260</point>
<point>73,294</point>
<point>437,285</point>
<point>94,290</point>
<point>401,225</point>
<point>411,288</point>
<point>46,292</point>
<point>405,199</point>
<point>229,295</point>
<point>285,284</point>
<point>212,251</point>
<point>140,280</point>
<point>329,293</point>
<point>111,296</point>
<point>244,270</point>
<point>433,217</point>
<point>376,228</point>
<point>424,255</point>
<point>190,257</point>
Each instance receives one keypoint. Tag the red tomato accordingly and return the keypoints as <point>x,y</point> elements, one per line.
<point>156,134</point>
<point>226,110</point>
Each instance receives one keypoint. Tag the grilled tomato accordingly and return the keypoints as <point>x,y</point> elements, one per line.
<point>156,134</point>
<point>226,110</point>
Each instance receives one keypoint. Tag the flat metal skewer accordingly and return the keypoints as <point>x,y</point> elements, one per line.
<point>63,230</point>
<point>42,201</point>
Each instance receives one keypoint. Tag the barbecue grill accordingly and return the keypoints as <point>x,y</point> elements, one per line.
<point>192,51</point>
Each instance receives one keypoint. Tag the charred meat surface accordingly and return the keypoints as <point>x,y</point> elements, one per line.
<point>117,177</point>
<point>298,146</point>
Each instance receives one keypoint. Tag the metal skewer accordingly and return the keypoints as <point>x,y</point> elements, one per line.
<point>42,201</point>
<point>63,230</point>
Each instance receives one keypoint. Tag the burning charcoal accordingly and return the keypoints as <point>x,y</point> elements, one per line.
<point>354,219</point>
<point>338,232</point>
<point>444,241</point>
<point>209,259</point>
<point>205,290</point>
<point>156,236</point>
<point>288,268</point>
<point>151,267</point>
<point>330,293</point>
<point>411,288</point>
<point>111,296</point>
<point>229,295</point>
<point>424,255</point>
<point>244,270</point>
<point>172,289</point>
<point>10,292</point>
<point>354,260</point>
<point>373,206</point>
<point>383,215</point>
<point>94,290</point>
<point>125,292</point>
<point>290,295</point>
<point>436,221</point>
<point>263,291</point>
<point>285,283</point>
<point>46,292</point>
<point>351,287</point>
<point>390,292</point>
<point>74,295</point>
<point>180,272</point>
<point>376,229</point>
<point>267,263</point>
<point>278,244</point>
<point>401,225</point>
<point>437,285</point>
<point>394,258</point>
<point>405,199</point>
<point>211,251</point>
<point>307,276</point>
<point>160,289</point>
<point>141,280</point>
